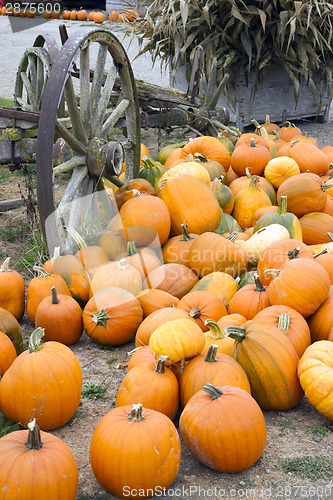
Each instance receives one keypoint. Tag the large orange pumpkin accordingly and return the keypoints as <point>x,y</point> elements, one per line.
<point>37,463</point>
<point>44,382</point>
<point>315,226</point>
<point>249,300</point>
<point>112,316</point>
<point>216,425</point>
<point>210,147</point>
<point>308,157</point>
<point>321,321</point>
<point>248,201</point>
<point>190,200</point>
<point>12,290</point>
<point>220,284</point>
<point>202,305</point>
<point>154,320</point>
<point>175,279</point>
<point>251,156</point>
<point>116,274</point>
<point>7,353</point>
<point>125,441</point>
<point>302,284</point>
<point>176,249</point>
<point>153,299</point>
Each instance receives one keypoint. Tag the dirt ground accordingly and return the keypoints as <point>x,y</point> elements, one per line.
<point>301,433</point>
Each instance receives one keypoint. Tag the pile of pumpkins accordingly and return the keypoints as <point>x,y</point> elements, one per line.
<point>219,261</point>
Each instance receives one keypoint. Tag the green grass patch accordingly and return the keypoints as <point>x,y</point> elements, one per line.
<point>319,431</point>
<point>6,427</point>
<point>308,467</point>
<point>6,103</point>
<point>93,391</point>
<point>284,424</point>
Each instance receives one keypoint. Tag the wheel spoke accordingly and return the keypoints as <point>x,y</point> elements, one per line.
<point>117,113</point>
<point>68,165</point>
<point>74,112</point>
<point>99,77</point>
<point>78,175</point>
<point>98,115</point>
<point>32,71</point>
<point>40,81</point>
<point>85,90</point>
<point>24,104</point>
<point>70,139</point>
<point>28,87</point>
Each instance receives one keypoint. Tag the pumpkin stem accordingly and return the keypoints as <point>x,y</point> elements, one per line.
<point>254,182</point>
<point>34,441</point>
<point>236,332</point>
<point>55,299</point>
<point>201,157</point>
<point>189,158</point>
<point>77,238</point>
<point>292,254</point>
<point>259,286</point>
<point>160,367</point>
<point>41,271</point>
<point>232,236</point>
<point>321,253</point>
<point>211,354</point>
<point>35,338</point>
<point>326,186</point>
<point>186,235</point>
<point>100,318</point>
<point>195,313</point>
<point>213,391</point>
<point>274,272</point>
<point>136,414</point>
<point>56,253</point>
<point>5,266</point>
<point>122,264</point>
<point>147,162</point>
<point>282,210</point>
<point>277,137</point>
<point>252,143</point>
<point>232,131</point>
<point>215,330</point>
<point>131,249</point>
<point>248,175</point>
<point>284,322</point>
<point>136,193</point>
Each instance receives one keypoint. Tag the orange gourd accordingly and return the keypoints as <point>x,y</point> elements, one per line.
<point>251,156</point>
<point>201,305</point>
<point>249,300</point>
<point>7,353</point>
<point>154,320</point>
<point>153,299</point>
<point>12,290</point>
<point>175,279</point>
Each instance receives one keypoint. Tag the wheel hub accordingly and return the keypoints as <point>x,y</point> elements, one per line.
<point>104,158</point>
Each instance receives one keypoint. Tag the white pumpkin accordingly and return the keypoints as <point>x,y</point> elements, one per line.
<point>254,246</point>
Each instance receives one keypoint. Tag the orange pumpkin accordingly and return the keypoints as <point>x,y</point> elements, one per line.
<point>249,300</point>
<point>202,305</point>
<point>113,243</point>
<point>99,18</point>
<point>216,336</point>
<point>286,133</point>
<point>141,355</point>
<point>221,285</point>
<point>66,14</point>
<point>328,150</point>
<point>280,169</point>
<point>315,226</point>
<point>244,182</point>
<point>176,249</point>
<point>153,299</point>
<point>212,368</point>
<point>321,322</point>
<point>248,201</point>
<point>145,433</point>
<point>308,157</point>
<point>214,422</point>
<point>175,279</point>
<point>302,284</point>
<point>190,200</point>
<point>146,220</point>
<point>82,15</point>
<point>133,188</point>
<point>12,290</point>
<point>10,327</point>
<point>73,15</point>
<point>210,147</point>
<point>251,156</point>
<point>91,16</point>
<point>326,260</point>
<point>75,276</point>
<point>44,381</point>
<point>7,353</point>
<point>113,16</point>
<point>156,386</point>
<point>290,322</point>
<point>144,260</point>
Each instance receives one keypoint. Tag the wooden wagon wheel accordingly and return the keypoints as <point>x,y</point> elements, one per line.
<point>103,92</point>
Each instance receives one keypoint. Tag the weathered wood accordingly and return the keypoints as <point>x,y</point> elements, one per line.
<point>24,151</point>
<point>6,205</point>
<point>74,112</point>
<point>114,117</point>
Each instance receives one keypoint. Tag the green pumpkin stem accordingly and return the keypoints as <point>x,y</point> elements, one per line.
<point>274,272</point>
<point>326,186</point>
<point>213,391</point>
<point>100,318</point>
<point>253,143</point>
<point>321,253</point>
<point>160,367</point>
<point>259,286</point>
<point>136,414</point>
<point>277,137</point>
<point>292,254</point>
<point>230,130</point>
<point>77,238</point>
<point>186,235</point>
<point>254,182</point>
<point>55,299</point>
<point>34,441</point>
<point>201,157</point>
<point>232,236</point>
<point>236,332</point>
<point>248,174</point>
<point>35,338</point>
<point>147,162</point>
<point>195,313</point>
<point>257,125</point>
<point>284,322</point>
<point>189,158</point>
<point>211,354</point>
<point>131,248</point>
<point>282,210</point>
<point>215,330</point>
<point>122,264</point>
<point>5,266</point>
